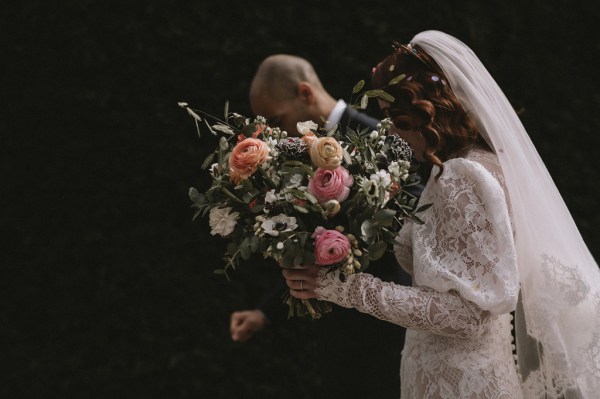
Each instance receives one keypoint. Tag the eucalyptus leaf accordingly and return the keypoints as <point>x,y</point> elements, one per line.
<point>245,251</point>
<point>248,130</point>
<point>196,197</point>
<point>377,250</point>
<point>208,161</point>
<point>219,127</point>
<point>358,86</point>
<point>368,229</point>
<point>254,244</point>
<point>385,217</point>
<point>301,209</point>
<point>193,114</point>
<point>380,94</point>
<point>311,198</point>
<point>196,214</point>
<point>397,79</point>
<point>232,248</point>
<point>417,220</point>
<point>347,157</point>
<point>309,258</point>
<point>231,195</point>
<point>226,109</point>
<point>424,207</point>
<point>298,259</point>
<point>247,197</point>
<point>364,101</point>
<point>209,127</point>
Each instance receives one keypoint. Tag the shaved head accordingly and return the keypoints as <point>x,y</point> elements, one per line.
<point>286,90</point>
<point>278,77</point>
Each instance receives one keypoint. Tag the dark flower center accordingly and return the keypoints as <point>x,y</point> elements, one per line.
<point>280,226</point>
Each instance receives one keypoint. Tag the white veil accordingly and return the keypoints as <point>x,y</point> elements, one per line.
<point>558,318</point>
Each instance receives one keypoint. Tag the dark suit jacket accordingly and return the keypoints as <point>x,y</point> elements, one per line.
<point>360,354</point>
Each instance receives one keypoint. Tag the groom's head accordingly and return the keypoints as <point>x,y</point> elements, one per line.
<point>286,90</point>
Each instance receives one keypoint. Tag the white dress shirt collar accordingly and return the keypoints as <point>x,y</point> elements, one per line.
<point>336,115</point>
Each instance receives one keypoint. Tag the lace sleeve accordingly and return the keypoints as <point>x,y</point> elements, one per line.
<point>466,243</point>
<point>444,313</point>
<point>463,260</point>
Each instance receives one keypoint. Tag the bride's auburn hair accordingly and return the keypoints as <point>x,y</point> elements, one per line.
<point>425,102</point>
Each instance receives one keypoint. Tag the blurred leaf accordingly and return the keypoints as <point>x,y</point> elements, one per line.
<point>377,250</point>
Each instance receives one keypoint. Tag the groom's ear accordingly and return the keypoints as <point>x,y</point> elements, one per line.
<point>306,93</point>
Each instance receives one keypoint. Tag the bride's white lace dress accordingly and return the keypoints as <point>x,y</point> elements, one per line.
<point>465,284</point>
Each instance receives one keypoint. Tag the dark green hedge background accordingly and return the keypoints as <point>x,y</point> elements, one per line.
<point>107,288</point>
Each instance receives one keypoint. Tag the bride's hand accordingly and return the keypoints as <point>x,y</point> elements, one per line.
<point>302,281</point>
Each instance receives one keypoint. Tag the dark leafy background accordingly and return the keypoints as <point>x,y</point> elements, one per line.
<point>107,286</point>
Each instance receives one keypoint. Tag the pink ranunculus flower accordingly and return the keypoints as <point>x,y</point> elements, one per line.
<point>331,246</point>
<point>245,158</point>
<point>333,184</point>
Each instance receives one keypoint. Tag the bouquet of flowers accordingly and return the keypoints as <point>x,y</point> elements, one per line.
<point>320,198</point>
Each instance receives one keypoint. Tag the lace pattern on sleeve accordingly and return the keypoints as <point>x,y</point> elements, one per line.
<point>413,307</point>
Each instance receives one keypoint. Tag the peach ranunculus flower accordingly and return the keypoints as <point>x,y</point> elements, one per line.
<point>333,184</point>
<point>331,246</point>
<point>246,157</point>
<point>326,153</point>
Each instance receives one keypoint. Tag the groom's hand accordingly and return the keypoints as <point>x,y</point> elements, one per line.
<point>246,323</point>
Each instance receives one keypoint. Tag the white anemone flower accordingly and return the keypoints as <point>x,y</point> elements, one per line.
<point>222,221</point>
<point>279,224</point>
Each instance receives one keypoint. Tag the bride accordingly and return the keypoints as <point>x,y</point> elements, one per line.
<point>498,249</point>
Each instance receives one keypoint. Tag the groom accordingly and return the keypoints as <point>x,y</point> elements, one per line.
<point>360,355</point>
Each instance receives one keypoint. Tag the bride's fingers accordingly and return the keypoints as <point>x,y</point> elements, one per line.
<point>300,285</point>
<point>304,294</point>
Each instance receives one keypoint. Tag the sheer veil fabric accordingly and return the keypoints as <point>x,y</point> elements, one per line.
<point>558,317</point>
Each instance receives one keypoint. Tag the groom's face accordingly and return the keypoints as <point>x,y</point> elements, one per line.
<point>283,114</point>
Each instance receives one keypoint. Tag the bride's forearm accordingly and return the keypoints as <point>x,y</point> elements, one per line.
<point>444,313</point>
